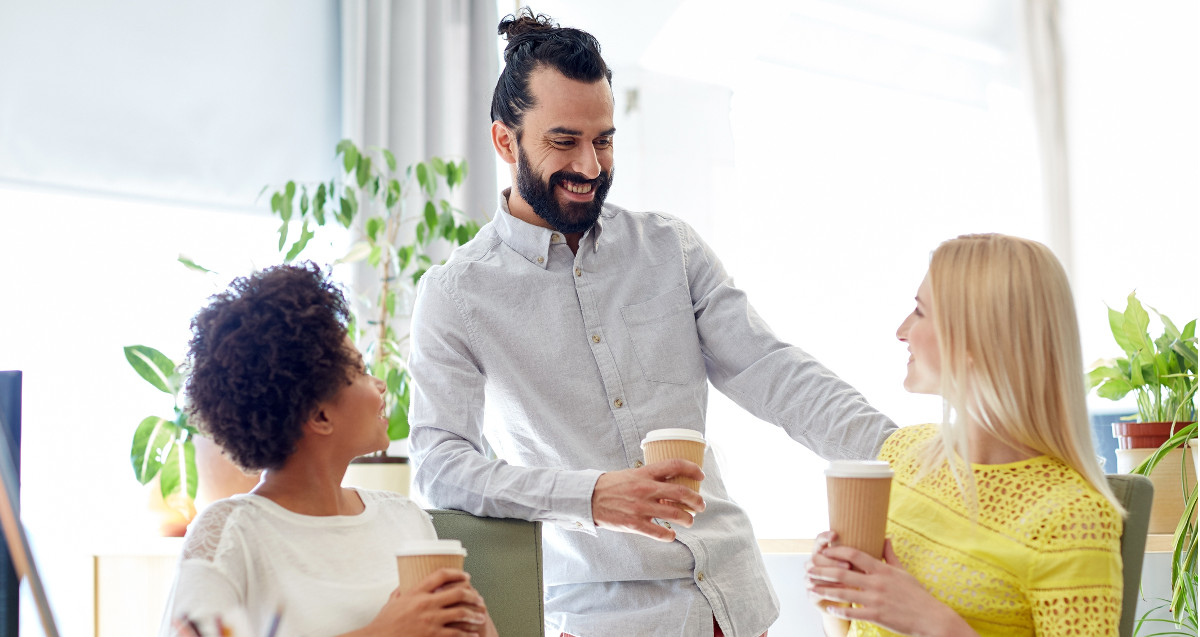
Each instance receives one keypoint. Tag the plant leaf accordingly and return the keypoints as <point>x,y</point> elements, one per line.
<point>153,366</point>
<point>283,233</point>
<point>363,170</point>
<point>150,441</point>
<point>179,470</point>
<point>439,166</point>
<point>1116,322</point>
<point>398,422</point>
<point>298,247</point>
<point>318,206</point>
<point>349,155</point>
<point>389,158</point>
<point>423,176</point>
<point>431,216</point>
<point>359,251</point>
<point>374,225</point>
<point>1114,388</point>
<point>192,265</point>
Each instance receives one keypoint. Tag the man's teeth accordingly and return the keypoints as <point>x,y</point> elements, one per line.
<point>579,189</point>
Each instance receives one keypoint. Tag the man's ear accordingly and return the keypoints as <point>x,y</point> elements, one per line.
<point>504,139</point>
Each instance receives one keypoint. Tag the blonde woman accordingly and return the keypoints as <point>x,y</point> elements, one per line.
<point>1023,540</point>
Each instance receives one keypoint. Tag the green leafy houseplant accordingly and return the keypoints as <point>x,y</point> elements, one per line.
<point>163,447</point>
<point>399,245</point>
<point>1163,372</point>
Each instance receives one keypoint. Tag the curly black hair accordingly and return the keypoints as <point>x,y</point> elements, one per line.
<point>535,40</point>
<point>263,354</point>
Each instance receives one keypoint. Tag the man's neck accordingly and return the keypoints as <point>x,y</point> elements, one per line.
<point>520,209</point>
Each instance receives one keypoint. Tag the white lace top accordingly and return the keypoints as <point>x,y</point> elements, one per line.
<point>246,557</point>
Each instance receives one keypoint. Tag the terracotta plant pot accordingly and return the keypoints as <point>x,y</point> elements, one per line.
<point>1144,435</point>
<point>217,476</point>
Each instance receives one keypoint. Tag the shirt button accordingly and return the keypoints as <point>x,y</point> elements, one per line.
<point>541,260</point>
<point>666,524</point>
<point>579,524</point>
<point>595,338</point>
<point>700,576</point>
<point>637,464</point>
<point>578,272</point>
<point>618,403</point>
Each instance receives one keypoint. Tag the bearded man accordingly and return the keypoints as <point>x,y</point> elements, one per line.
<point>587,325</point>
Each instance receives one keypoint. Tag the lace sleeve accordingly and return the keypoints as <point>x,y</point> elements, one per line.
<point>204,537</point>
<point>1076,587</point>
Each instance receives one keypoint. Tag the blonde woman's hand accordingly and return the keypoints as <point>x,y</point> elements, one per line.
<point>443,605</point>
<point>882,592</point>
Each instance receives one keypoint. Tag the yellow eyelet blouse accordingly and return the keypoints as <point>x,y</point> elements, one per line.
<point>1042,558</point>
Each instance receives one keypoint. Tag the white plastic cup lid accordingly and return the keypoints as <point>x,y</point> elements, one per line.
<point>673,434</point>
<point>431,547</point>
<point>858,469</point>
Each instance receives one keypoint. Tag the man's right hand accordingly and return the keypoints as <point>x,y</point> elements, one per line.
<point>630,500</point>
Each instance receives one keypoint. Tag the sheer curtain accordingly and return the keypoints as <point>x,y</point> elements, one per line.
<point>1042,39</point>
<point>417,79</point>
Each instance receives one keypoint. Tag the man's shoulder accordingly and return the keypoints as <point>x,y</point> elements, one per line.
<point>479,248</point>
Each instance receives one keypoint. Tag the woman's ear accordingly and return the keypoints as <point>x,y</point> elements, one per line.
<point>320,422</point>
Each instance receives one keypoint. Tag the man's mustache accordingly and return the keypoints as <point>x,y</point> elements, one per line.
<point>578,178</point>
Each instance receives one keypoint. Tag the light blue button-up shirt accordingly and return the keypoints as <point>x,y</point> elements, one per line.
<point>580,355</point>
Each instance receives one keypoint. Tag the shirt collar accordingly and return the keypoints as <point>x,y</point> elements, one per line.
<point>533,242</point>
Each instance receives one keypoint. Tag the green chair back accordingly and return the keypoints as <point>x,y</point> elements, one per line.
<point>504,558</point>
<point>1135,493</point>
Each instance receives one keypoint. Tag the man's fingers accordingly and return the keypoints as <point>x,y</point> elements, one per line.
<point>674,468</point>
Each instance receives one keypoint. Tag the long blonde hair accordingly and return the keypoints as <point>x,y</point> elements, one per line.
<point>1010,354</point>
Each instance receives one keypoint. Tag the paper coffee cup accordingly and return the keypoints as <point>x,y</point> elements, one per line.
<point>859,491</point>
<point>667,444</point>
<point>417,559</point>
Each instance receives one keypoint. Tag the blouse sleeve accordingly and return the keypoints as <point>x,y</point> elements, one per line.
<point>1076,585</point>
<point>205,589</point>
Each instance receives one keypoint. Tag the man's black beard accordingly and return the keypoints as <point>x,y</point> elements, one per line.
<point>571,218</point>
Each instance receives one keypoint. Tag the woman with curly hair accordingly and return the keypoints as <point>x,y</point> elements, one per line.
<point>277,383</point>
<point>1001,521</point>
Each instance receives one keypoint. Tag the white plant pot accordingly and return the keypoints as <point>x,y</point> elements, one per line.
<point>386,473</point>
<point>1167,478</point>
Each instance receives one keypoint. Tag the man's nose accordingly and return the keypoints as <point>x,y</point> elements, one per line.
<point>586,161</point>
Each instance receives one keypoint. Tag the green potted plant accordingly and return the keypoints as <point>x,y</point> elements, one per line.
<point>373,198</point>
<point>190,469</point>
<point>1163,373</point>
<point>162,448</point>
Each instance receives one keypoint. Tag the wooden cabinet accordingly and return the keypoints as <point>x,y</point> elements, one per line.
<point>131,586</point>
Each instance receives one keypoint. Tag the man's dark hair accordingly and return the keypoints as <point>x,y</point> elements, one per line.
<point>534,41</point>
<point>264,353</point>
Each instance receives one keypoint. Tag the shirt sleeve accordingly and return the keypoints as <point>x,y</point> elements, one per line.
<point>450,468</point>
<point>1075,587</point>
<point>773,380</point>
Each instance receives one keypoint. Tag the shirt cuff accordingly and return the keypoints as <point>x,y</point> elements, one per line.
<point>573,500</point>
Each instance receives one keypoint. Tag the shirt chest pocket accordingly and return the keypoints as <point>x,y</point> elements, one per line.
<point>663,333</point>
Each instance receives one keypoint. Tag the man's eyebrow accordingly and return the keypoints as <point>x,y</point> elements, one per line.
<point>561,130</point>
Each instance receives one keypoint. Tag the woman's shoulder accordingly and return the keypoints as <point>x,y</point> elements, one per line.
<point>390,502</point>
<point>906,440</point>
<point>1062,507</point>
<point>214,526</point>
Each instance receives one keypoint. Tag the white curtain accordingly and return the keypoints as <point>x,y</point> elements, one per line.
<point>1044,52</point>
<point>417,79</point>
